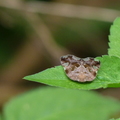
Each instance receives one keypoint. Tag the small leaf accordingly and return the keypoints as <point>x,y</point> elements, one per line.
<point>114,39</point>
<point>60,104</point>
<point>108,74</point>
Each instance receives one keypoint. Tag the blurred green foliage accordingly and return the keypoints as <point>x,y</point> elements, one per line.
<point>60,104</point>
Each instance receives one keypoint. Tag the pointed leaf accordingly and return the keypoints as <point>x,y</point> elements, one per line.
<point>108,74</point>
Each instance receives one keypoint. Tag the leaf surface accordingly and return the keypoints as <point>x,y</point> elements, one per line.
<point>108,74</point>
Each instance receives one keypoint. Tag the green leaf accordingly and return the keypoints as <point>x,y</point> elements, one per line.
<point>108,74</point>
<point>60,104</point>
<point>114,39</point>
